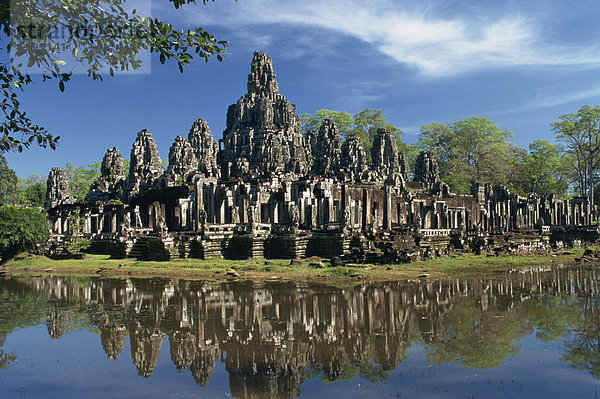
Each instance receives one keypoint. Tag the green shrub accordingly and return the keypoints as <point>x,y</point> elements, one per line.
<point>21,229</point>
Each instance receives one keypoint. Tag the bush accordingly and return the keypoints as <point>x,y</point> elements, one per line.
<point>21,229</point>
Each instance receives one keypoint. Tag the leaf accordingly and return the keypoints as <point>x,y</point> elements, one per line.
<point>61,85</point>
<point>60,62</point>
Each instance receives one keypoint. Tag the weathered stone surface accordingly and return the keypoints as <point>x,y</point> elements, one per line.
<point>58,189</point>
<point>326,148</point>
<point>404,166</point>
<point>110,184</point>
<point>112,168</point>
<point>205,148</point>
<point>261,80</point>
<point>286,196</point>
<point>263,131</point>
<point>182,160</point>
<point>384,154</point>
<point>426,169</point>
<point>354,159</point>
<point>145,165</point>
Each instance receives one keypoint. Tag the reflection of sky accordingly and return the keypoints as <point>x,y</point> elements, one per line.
<point>76,366</point>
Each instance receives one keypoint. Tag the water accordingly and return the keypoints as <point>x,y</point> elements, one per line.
<point>533,334</point>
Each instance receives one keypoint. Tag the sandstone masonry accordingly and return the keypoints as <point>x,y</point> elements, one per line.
<point>266,190</point>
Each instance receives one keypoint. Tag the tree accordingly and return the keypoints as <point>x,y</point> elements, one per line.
<point>518,178</point>
<point>21,229</point>
<point>342,119</point>
<point>76,242</point>
<point>580,135</point>
<point>469,150</point>
<point>364,125</point>
<point>478,338</point>
<point>8,183</point>
<point>33,191</point>
<point>55,37</point>
<point>82,178</point>
<point>545,169</point>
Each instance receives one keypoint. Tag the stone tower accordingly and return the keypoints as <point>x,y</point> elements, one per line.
<point>112,177</point>
<point>426,169</point>
<point>262,136</point>
<point>182,160</point>
<point>354,158</point>
<point>205,148</point>
<point>58,189</point>
<point>145,165</point>
<point>384,154</point>
<point>326,148</point>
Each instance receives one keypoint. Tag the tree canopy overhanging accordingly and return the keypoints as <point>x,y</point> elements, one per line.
<point>55,36</point>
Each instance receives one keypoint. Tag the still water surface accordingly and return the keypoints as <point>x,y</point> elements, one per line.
<point>533,334</point>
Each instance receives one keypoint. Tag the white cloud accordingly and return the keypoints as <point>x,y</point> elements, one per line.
<point>553,101</point>
<point>434,45</point>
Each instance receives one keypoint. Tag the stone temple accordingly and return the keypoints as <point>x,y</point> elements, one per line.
<point>267,190</point>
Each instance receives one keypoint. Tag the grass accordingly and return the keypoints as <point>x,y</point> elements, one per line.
<point>280,269</point>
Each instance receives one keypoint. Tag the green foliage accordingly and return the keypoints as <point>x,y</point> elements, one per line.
<point>82,178</point>
<point>13,190</point>
<point>545,169</point>
<point>478,338</point>
<point>21,229</point>
<point>111,38</point>
<point>8,183</point>
<point>33,190</point>
<point>364,125</point>
<point>582,323</point>
<point>342,119</point>
<point>75,241</point>
<point>580,135</point>
<point>473,149</point>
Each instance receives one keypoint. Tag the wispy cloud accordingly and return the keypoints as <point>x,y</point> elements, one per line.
<point>434,45</point>
<point>554,101</point>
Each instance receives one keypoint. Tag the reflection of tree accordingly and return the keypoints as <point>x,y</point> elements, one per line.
<point>477,338</point>
<point>19,307</point>
<point>272,337</point>
<point>5,358</point>
<point>582,348</point>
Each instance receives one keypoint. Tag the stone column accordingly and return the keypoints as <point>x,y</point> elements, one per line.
<point>387,209</point>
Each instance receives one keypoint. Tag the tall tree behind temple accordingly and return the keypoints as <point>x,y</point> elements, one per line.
<point>8,183</point>
<point>364,125</point>
<point>545,169</point>
<point>342,119</point>
<point>33,190</point>
<point>472,149</point>
<point>580,135</point>
<point>82,178</point>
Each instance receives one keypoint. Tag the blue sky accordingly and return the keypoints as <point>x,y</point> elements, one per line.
<point>521,64</point>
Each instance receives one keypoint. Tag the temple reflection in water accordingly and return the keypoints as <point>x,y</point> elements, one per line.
<point>271,336</point>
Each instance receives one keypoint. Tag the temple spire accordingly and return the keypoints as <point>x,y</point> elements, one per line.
<point>261,80</point>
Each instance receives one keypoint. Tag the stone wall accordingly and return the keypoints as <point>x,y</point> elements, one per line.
<point>272,192</point>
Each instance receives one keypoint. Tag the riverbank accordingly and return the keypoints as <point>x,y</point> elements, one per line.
<point>311,269</point>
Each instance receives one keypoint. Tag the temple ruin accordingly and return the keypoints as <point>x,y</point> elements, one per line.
<point>267,190</point>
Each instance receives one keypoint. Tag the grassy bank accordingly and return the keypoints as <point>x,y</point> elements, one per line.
<point>280,269</point>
